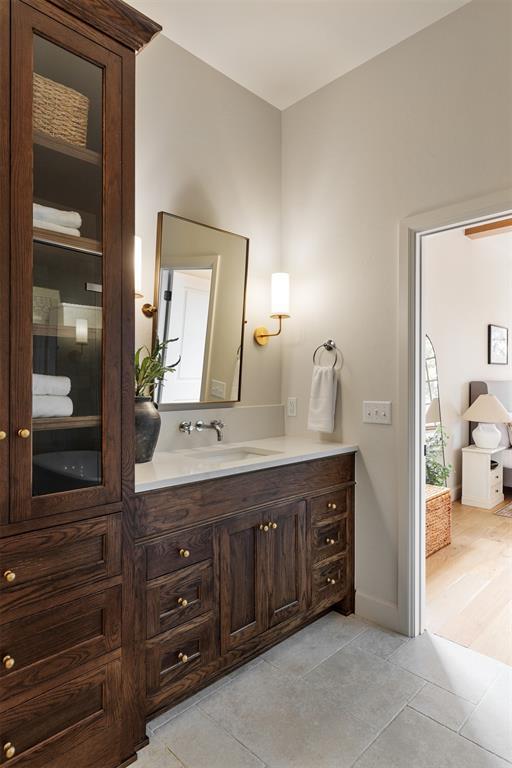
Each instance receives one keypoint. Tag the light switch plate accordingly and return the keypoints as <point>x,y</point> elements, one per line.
<point>291,407</point>
<point>377,412</point>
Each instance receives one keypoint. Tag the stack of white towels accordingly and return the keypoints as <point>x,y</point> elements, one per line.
<point>65,222</point>
<point>50,396</point>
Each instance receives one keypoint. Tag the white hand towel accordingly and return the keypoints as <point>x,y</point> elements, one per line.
<point>55,216</point>
<point>39,224</point>
<point>322,402</point>
<point>47,406</point>
<point>50,385</point>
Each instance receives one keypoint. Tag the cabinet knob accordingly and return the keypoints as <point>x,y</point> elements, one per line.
<point>331,505</point>
<point>24,433</point>
<point>329,580</point>
<point>263,527</point>
<point>183,602</point>
<point>183,657</point>
<point>9,750</point>
<point>8,661</point>
<point>273,526</point>
<point>330,541</point>
<point>9,576</point>
<point>3,435</point>
<point>184,553</point>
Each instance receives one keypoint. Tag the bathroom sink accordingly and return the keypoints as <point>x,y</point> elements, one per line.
<point>225,455</point>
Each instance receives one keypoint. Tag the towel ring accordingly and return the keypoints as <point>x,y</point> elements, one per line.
<point>329,346</point>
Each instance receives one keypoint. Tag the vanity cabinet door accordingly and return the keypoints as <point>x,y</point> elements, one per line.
<point>243,579</point>
<point>286,540</point>
<point>66,257</point>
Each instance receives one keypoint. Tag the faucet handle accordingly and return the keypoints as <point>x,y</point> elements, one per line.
<point>187,427</point>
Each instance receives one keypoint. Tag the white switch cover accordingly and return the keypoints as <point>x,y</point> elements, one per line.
<point>218,389</point>
<point>377,412</point>
<point>292,406</point>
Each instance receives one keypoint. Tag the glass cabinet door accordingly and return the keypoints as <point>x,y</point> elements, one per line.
<point>65,254</point>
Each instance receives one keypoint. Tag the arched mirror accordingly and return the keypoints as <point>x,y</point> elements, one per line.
<point>435,437</point>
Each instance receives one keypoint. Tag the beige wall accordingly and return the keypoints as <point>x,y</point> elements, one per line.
<point>467,285</point>
<point>209,150</point>
<point>426,124</point>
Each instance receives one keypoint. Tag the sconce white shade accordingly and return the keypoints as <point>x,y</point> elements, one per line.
<point>81,330</point>
<point>280,294</point>
<point>487,409</point>
<point>137,255</point>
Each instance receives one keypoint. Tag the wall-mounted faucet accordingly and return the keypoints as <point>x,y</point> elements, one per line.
<point>216,424</point>
<point>187,427</point>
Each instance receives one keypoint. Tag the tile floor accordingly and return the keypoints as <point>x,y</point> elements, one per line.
<point>345,693</point>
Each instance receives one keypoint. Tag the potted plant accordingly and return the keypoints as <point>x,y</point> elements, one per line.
<point>150,369</point>
<point>437,472</point>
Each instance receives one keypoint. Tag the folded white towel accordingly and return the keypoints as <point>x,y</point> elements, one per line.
<point>322,402</point>
<point>37,223</point>
<point>50,385</point>
<point>55,216</point>
<point>47,406</point>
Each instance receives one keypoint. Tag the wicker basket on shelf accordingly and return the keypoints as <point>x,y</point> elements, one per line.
<point>438,532</point>
<point>60,111</point>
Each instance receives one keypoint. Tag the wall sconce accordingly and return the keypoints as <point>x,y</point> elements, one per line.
<point>137,257</point>
<point>279,306</point>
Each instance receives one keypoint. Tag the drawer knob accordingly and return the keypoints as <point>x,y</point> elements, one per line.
<point>273,526</point>
<point>263,528</point>
<point>8,661</point>
<point>183,602</point>
<point>183,657</point>
<point>9,576</point>
<point>184,553</point>
<point>3,435</point>
<point>9,750</point>
<point>331,505</point>
<point>330,541</point>
<point>329,580</point>
<point>24,433</point>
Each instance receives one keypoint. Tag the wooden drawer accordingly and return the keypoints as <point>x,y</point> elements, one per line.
<point>330,539</point>
<point>55,641</point>
<point>329,505</point>
<point>169,553</point>
<point>53,558</point>
<point>165,665</point>
<point>75,724</point>
<point>330,581</point>
<point>174,600</point>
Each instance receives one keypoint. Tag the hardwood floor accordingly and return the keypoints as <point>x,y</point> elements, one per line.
<point>469,583</point>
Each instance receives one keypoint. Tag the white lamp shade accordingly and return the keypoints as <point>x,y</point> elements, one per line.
<point>487,409</point>
<point>280,294</point>
<point>433,414</point>
<point>137,255</point>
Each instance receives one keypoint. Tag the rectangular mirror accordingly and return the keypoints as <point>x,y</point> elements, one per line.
<point>201,275</point>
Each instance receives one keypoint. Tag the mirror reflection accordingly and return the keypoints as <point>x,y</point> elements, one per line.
<point>200,298</point>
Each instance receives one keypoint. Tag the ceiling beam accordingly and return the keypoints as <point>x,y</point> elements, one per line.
<point>488,229</point>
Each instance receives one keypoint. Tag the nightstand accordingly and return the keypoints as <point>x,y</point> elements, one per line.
<point>482,477</point>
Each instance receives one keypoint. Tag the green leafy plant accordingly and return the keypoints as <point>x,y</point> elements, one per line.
<point>437,472</point>
<point>150,368</point>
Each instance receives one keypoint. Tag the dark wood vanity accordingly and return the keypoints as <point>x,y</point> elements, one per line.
<point>116,605</point>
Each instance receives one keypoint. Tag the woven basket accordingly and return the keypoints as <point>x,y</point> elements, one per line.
<point>438,532</point>
<point>59,111</point>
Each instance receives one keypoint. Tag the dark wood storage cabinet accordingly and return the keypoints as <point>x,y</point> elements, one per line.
<point>66,397</point>
<point>256,557</point>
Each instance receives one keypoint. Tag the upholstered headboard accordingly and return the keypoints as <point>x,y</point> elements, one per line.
<point>500,389</point>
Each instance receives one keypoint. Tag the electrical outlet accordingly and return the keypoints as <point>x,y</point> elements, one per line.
<point>291,407</point>
<point>377,412</point>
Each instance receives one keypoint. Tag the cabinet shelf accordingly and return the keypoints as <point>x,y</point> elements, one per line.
<point>66,148</point>
<point>65,422</point>
<point>62,331</point>
<point>85,244</point>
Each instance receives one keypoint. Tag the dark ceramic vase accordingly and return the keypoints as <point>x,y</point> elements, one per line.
<point>147,429</point>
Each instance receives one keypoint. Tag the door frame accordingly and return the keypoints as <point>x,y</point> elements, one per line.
<point>410,393</point>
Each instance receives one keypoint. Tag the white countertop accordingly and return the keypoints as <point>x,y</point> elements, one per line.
<point>191,466</point>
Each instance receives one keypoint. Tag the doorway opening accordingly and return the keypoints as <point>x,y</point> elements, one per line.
<point>463,440</point>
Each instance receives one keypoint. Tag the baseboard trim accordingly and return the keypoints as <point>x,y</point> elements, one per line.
<point>379,611</point>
